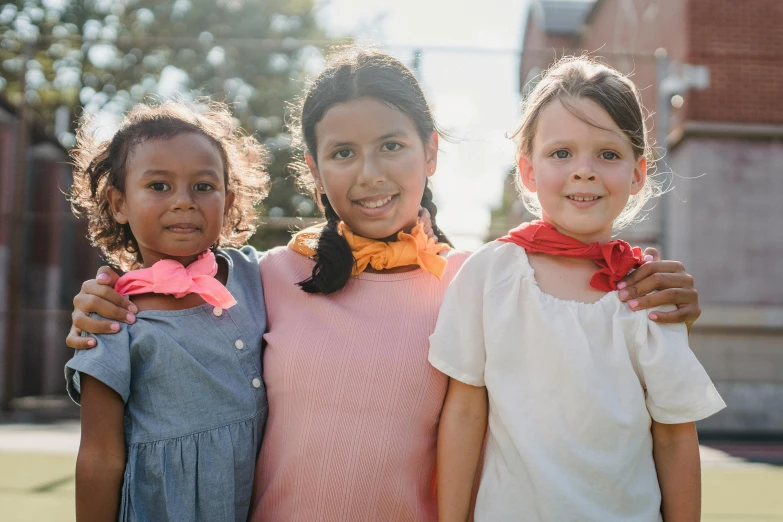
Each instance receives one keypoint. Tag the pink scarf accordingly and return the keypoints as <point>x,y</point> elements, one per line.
<point>170,277</point>
<point>616,258</point>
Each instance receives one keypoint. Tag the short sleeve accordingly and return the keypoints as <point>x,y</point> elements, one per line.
<point>109,362</point>
<point>457,345</point>
<point>678,389</point>
<point>251,253</point>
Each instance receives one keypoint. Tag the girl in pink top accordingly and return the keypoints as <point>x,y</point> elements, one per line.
<point>353,403</point>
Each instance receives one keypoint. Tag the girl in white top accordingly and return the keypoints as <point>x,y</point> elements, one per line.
<point>590,405</point>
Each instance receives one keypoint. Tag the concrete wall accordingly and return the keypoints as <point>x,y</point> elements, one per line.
<point>727,218</point>
<point>726,226</point>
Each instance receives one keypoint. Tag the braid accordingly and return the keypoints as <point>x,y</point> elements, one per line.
<point>432,208</point>
<point>334,260</point>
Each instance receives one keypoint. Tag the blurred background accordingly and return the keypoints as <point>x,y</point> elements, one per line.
<point>710,72</point>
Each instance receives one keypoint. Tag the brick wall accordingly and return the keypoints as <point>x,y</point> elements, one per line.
<point>742,44</point>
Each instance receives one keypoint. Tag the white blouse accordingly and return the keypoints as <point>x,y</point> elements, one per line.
<point>572,389</point>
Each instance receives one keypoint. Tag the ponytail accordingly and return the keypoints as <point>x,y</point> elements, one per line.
<point>334,260</point>
<point>432,208</point>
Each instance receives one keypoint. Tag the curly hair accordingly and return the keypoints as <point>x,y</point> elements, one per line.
<point>98,165</point>
<point>353,72</point>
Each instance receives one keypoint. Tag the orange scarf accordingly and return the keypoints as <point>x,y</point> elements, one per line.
<point>409,249</point>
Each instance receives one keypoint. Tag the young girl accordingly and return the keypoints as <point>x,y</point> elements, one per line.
<point>591,406</point>
<point>173,406</point>
<point>354,404</point>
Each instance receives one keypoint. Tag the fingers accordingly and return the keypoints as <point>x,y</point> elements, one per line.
<point>654,276</point>
<point>685,314</point>
<point>670,296</point>
<point>102,299</point>
<point>76,341</point>
<point>652,253</point>
<point>106,276</point>
<point>93,325</point>
<point>426,221</point>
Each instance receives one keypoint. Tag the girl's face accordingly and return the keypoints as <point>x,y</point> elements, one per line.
<point>175,197</point>
<point>372,165</point>
<point>583,174</point>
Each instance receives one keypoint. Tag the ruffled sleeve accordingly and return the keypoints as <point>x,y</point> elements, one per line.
<point>109,362</point>
<point>457,345</point>
<point>677,388</point>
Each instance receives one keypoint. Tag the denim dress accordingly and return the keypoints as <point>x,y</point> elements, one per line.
<point>195,403</point>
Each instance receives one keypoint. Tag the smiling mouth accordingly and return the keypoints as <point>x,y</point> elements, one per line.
<point>374,203</point>
<point>182,228</point>
<point>583,198</point>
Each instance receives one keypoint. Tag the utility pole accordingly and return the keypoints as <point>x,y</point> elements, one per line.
<point>661,137</point>
<point>670,85</point>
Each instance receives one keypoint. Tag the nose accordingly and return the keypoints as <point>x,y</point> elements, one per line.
<point>583,171</point>
<point>183,199</point>
<point>371,172</point>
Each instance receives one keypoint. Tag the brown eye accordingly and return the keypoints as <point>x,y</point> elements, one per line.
<point>158,186</point>
<point>343,154</point>
<point>392,146</point>
<point>204,187</point>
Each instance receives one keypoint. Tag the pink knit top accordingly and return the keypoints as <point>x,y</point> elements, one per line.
<point>353,403</point>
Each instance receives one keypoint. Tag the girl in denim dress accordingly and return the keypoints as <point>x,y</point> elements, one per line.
<point>173,406</point>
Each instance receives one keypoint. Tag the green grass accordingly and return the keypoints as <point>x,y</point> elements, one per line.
<point>37,487</point>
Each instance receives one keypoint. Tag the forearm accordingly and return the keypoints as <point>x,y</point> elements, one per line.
<point>463,424</point>
<point>98,486</point>
<point>100,465</point>
<point>676,453</point>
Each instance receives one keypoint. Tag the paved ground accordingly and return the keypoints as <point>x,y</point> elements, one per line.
<point>742,482</point>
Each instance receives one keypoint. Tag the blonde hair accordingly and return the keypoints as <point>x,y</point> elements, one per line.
<point>579,77</point>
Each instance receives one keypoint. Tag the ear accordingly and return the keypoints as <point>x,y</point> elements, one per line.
<point>431,154</point>
<point>229,202</point>
<point>117,205</point>
<point>526,173</point>
<point>639,176</point>
<point>314,172</point>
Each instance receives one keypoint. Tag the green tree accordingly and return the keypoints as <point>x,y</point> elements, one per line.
<point>60,57</point>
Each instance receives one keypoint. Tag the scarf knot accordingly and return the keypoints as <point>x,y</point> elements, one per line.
<point>616,258</point>
<point>414,248</point>
<point>171,278</point>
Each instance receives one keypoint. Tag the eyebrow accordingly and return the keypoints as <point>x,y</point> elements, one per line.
<point>396,133</point>
<point>163,172</point>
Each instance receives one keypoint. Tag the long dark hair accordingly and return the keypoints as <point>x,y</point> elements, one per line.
<point>351,74</point>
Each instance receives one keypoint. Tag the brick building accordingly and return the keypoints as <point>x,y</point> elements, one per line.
<point>724,138</point>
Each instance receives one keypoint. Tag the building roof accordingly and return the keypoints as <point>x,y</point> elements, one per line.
<point>565,16</point>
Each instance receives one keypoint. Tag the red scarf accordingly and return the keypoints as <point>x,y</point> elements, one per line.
<point>170,277</point>
<point>616,258</point>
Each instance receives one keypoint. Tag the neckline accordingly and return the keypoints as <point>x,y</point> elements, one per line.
<point>531,274</point>
<point>394,276</point>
